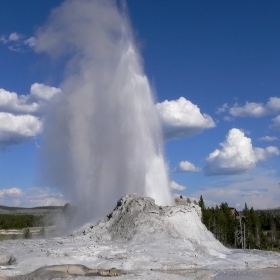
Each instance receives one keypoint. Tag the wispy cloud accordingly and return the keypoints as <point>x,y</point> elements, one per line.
<point>31,197</point>
<point>222,109</point>
<point>258,188</point>
<point>268,138</point>
<point>252,109</point>
<point>14,37</point>
<point>18,42</point>
<point>12,192</point>
<point>31,42</point>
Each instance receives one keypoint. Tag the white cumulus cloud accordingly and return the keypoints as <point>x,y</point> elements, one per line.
<point>273,104</point>
<point>32,103</point>
<point>276,123</point>
<point>10,102</point>
<point>236,155</point>
<point>43,92</point>
<point>21,116</point>
<point>263,154</point>
<point>176,186</point>
<point>181,118</point>
<point>186,166</point>
<point>15,129</point>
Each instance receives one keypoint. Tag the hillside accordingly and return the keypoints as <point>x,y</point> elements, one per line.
<point>35,211</point>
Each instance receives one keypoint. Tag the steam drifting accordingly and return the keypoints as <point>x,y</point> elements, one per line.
<point>103,138</point>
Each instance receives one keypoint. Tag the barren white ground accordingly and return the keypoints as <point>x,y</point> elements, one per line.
<point>143,240</point>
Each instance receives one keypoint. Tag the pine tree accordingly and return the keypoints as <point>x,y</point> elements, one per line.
<point>201,203</point>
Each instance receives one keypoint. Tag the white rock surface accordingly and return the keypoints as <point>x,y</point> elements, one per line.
<point>139,238</point>
<point>5,257</point>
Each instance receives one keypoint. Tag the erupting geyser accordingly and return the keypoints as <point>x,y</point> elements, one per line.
<point>103,139</point>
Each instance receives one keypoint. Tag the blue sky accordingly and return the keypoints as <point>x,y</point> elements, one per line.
<point>214,66</point>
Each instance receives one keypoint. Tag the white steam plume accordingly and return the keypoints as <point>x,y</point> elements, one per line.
<point>103,139</point>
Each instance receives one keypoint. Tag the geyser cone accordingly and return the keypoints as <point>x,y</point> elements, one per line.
<point>138,220</point>
<point>104,138</point>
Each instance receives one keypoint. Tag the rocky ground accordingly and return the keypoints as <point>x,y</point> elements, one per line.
<point>139,239</point>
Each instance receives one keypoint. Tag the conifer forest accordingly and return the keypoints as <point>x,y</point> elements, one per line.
<point>246,229</point>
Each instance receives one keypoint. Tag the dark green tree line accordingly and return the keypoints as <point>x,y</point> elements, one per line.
<point>249,228</point>
<point>19,221</point>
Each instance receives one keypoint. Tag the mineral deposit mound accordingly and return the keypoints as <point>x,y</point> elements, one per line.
<point>138,220</point>
<point>138,238</point>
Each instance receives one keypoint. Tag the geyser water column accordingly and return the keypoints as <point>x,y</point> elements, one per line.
<point>103,138</point>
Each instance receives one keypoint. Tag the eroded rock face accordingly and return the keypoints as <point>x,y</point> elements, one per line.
<point>139,219</point>
<point>129,216</point>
